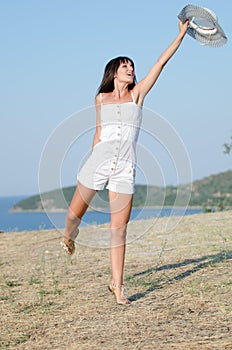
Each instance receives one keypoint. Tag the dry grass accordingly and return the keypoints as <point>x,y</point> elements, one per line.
<point>180,284</point>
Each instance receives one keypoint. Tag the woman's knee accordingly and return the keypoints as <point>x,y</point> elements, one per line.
<point>72,217</point>
<point>118,234</point>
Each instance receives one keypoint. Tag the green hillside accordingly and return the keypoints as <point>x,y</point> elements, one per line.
<point>212,192</point>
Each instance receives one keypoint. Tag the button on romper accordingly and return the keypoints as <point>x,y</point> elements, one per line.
<point>113,159</point>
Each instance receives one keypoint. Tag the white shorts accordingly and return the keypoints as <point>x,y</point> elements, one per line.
<point>118,175</point>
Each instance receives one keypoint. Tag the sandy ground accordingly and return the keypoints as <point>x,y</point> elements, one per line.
<point>178,278</point>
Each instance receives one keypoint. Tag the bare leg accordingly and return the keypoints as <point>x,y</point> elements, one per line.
<point>77,209</point>
<point>120,209</point>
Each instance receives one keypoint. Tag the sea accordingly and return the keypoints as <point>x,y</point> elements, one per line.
<point>31,221</point>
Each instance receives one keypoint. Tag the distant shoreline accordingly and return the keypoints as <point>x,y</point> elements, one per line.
<point>59,210</point>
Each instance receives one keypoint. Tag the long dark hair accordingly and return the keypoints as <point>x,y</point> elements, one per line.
<point>107,84</point>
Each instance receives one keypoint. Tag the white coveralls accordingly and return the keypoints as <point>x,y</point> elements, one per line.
<point>113,159</point>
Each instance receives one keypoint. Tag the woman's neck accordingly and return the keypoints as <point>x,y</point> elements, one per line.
<point>120,90</point>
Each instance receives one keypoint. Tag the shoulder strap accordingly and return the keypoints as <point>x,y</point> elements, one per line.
<point>132,95</point>
<point>101,98</point>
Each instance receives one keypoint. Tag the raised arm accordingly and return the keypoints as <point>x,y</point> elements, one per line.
<point>144,86</point>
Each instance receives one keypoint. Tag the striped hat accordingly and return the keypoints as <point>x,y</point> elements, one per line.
<point>203,25</point>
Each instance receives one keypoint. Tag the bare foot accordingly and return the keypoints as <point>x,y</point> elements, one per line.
<point>69,246</point>
<point>118,291</point>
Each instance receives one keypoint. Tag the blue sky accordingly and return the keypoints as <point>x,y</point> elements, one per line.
<point>52,58</point>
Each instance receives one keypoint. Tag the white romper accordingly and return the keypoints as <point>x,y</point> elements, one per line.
<point>113,159</point>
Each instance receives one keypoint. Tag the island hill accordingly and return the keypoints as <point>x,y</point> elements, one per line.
<point>211,193</point>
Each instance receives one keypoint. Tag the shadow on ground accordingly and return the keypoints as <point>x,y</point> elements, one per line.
<point>200,263</point>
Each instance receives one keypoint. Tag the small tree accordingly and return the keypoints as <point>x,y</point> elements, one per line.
<point>228,146</point>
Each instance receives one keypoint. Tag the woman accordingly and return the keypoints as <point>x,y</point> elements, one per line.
<point>118,110</point>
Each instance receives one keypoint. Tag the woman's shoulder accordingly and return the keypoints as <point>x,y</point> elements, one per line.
<point>98,99</point>
<point>103,97</point>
